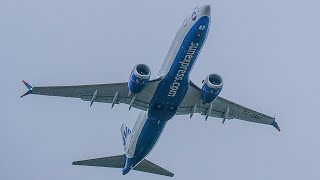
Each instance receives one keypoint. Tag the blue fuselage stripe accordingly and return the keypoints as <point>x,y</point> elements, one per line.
<point>171,90</point>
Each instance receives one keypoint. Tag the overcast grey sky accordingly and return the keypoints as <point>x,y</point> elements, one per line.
<point>266,51</point>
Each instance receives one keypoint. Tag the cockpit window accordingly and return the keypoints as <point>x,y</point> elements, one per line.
<point>194,13</point>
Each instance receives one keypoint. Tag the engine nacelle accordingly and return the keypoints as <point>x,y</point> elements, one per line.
<point>211,88</point>
<point>139,78</point>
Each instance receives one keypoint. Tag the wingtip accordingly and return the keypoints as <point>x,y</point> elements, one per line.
<point>28,92</point>
<point>29,88</point>
<point>27,85</point>
<point>275,124</point>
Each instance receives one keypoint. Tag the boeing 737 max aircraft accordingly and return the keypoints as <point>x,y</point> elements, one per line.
<point>170,93</point>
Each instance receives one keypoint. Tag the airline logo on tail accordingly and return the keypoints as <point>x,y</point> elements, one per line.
<point>125,132</point>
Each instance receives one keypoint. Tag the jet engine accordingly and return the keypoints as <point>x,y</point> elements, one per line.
<point>139,78</point>
<point>211,88</point>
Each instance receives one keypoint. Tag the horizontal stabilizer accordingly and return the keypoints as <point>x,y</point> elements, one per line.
<point>119,161</point>
<point>112,162</point>
<point>149,167</point>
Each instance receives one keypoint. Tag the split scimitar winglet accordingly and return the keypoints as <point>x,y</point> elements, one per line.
<point>29,88</point>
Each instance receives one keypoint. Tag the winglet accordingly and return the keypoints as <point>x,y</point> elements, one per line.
<point>275,124</point>
<point>29,88</point>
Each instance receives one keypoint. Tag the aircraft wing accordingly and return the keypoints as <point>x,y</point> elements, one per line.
<point>115,93</point>
<point>221,108</point>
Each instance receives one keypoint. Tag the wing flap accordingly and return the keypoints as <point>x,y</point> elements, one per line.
<point>140,102</point>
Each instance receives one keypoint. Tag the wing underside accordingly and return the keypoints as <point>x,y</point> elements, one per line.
<point>114,93</point>
<point>221,108</point>
<point>117,93</point>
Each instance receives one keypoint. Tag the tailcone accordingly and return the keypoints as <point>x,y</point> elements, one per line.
<point>127,167</point>
<point>125,170</point>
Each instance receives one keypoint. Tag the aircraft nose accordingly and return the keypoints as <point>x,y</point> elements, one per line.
<point>206,10</point>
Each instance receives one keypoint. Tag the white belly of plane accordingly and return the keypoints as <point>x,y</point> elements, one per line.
<point>136,131</point>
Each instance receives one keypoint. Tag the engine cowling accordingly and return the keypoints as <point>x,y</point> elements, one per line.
<point>211,88</point>
<point>139,78</point>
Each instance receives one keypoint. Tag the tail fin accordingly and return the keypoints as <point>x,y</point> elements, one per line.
<point>119,161</point>
<point>125,133</point>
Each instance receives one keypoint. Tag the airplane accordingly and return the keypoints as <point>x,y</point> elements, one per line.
<point>170,93</point>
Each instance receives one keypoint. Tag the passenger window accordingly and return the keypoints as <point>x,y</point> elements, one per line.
<point>185,23</point>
